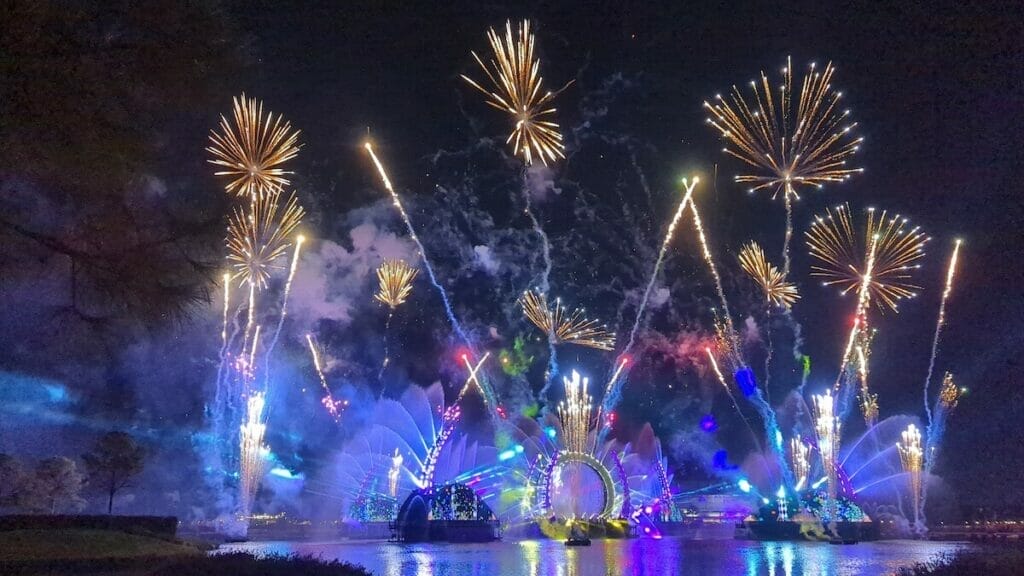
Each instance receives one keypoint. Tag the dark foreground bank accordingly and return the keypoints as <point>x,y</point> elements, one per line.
<point>110,553</point>
<point>1005,559</point>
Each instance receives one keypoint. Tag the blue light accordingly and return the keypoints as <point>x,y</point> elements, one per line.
<point>819,483</point>
<point>518,448</point>
<point>781,493</point>
<point>778,440</point>
<point>708,424</point>
<point>550,431</point>
<point>507,455</point>
<point>745,380</point>
<point>744,485</point>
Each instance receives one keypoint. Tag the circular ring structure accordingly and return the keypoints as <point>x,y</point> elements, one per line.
<point>607,484</point>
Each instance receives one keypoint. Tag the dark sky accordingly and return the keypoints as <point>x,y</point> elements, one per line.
<point>936,90</point>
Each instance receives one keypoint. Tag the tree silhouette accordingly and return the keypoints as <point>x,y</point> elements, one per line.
<point>114,460</point>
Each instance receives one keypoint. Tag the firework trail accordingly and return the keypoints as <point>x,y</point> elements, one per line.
<point>950,272</point>
<point>422,251</point>
<point>284,308</point>
<point>610,398</point>
<point>710,261</point>
<point>949,398</point>
<point>334,407</point>
<point>860,316</point>
<point>689,186</point>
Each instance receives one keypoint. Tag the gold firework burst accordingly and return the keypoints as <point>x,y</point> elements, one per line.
<point>571,328</point>
<point>772,281</point>
<point>516,87</point>
<point>395,278</point>
<point>789,140</point>
<point>252,148</point>
<point>949,394</point>
<point>259,236</point>
<point>842,254</point>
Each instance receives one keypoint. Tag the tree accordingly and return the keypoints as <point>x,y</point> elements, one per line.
<point>114,460</point>
<point>56,485</point>
<point>12,480</point>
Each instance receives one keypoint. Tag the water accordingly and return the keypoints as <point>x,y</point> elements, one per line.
<point>616,557</point>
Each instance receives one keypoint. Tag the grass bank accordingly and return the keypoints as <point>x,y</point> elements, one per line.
<point>109,553</point>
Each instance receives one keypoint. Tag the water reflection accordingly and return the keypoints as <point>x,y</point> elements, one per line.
<point>615,557</point>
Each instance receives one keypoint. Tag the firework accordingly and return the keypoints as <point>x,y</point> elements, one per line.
<point>474,380</point>
<point>777,290</point>
<point>422,251</point>
<point>950,272</point>
<point>798,457</point>
<point>252,149</point>
<point>259,236</point>
<point>395,278</point>
<point>562,327</point>
<point>516,88</point>
<point>575,414</point>
<point>253,451</point>
<point>842,254</point>
<point>949,394</point>
<point>827,426</point>
<point>334,407</point>
<point>788,148</point>
<point>912,458</point>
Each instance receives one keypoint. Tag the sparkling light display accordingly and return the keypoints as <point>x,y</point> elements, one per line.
<point>773,284</point>
<point>827,427</point>
<point>252,149</point>
<point>253,452</point>
<point>568,328</point>
<point>517,88</point>
<point>912,458</point>
<point>799,461</point>
<point>841,254</point>
<point>575,413</point>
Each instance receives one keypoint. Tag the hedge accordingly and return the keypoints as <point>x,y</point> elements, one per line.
<point>160,526</point>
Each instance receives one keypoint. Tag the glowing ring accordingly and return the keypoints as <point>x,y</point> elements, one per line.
<point>562,458</point>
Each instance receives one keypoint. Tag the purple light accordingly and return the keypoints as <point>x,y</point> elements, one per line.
<point>708,423</point>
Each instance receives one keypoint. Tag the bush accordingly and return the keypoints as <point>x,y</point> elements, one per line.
<point>160,526</point>
<point>987,560</point>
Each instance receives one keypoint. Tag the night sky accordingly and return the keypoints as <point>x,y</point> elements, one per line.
<point>105,113</point>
